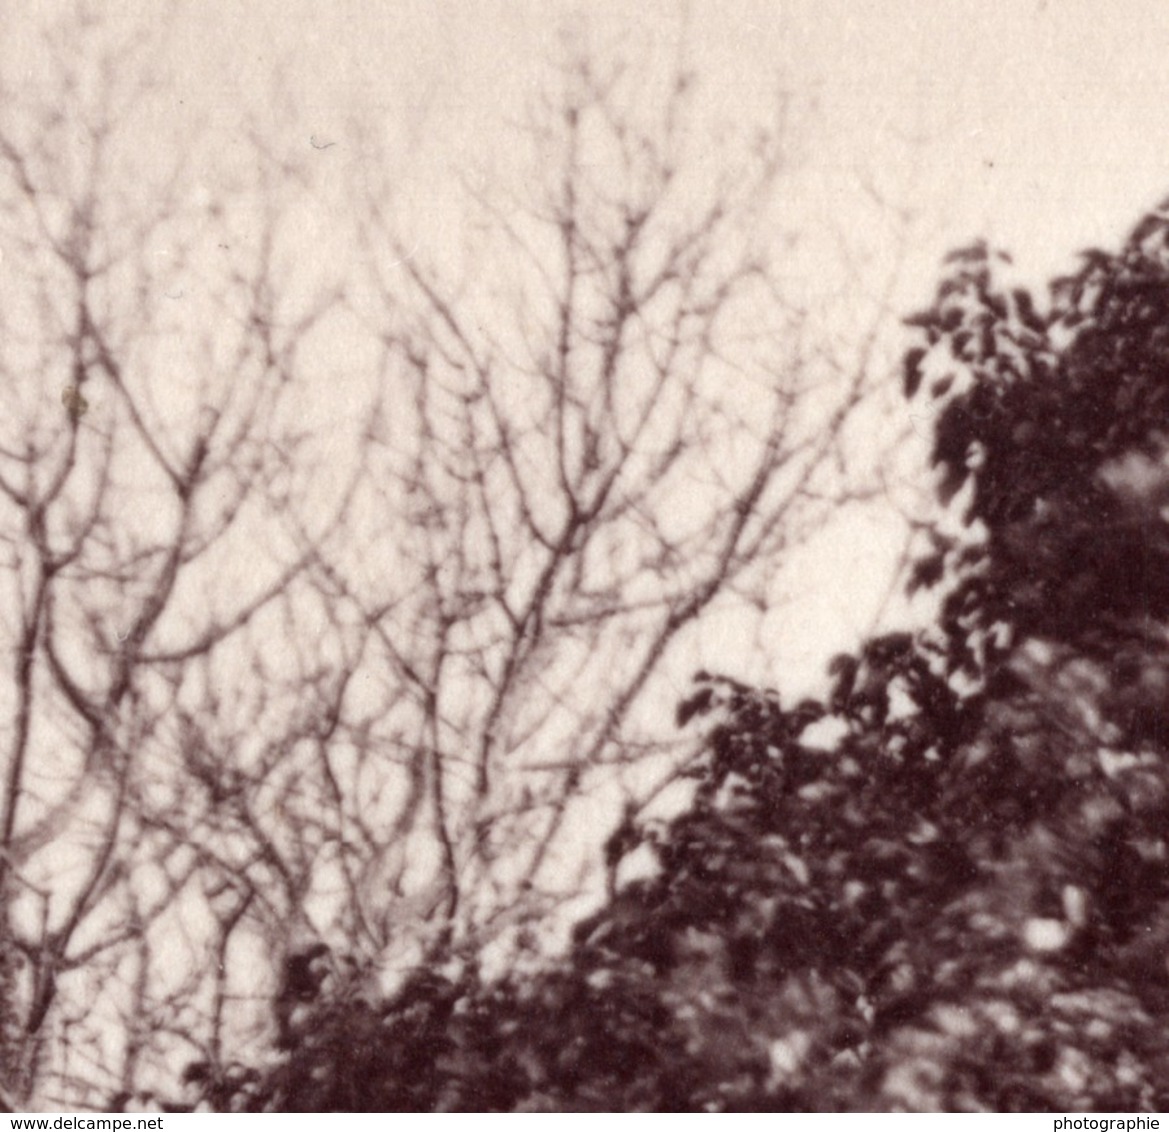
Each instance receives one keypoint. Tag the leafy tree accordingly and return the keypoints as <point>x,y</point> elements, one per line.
<point>944,884</point>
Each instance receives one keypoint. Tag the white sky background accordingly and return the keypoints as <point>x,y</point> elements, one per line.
<point>1039,124</point>
<point>1036,122</point>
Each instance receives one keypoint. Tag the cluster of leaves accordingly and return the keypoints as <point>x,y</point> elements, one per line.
<point>942,886</point>
<point>1057,441</point>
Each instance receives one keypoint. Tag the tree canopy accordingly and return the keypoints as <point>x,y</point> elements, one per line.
<point>940,886</point>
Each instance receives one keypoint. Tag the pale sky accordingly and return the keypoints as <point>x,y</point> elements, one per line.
<point>1038,124</point>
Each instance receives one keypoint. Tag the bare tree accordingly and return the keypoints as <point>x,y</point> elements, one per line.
<point>611,424</point>
<point>146,356</point>
<point>390,681</point>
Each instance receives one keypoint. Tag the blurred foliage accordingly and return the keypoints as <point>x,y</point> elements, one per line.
<point>941,887</point>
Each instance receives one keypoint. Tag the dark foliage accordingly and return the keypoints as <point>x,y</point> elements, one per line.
<point>944,886</point>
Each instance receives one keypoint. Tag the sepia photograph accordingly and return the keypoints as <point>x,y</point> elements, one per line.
<point>579,556</point>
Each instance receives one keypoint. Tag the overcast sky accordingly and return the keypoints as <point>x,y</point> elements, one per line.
<point>1039,124</point>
